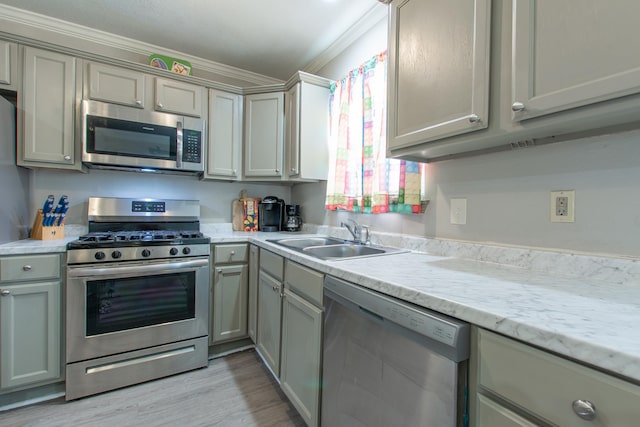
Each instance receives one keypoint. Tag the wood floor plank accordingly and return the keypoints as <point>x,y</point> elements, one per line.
<point>236,390</point>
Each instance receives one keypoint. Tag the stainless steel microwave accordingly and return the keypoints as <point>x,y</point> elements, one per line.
<point>120,137</point>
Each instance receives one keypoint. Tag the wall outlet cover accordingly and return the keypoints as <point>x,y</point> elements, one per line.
<point>458,211</point>
<point>562,206</point>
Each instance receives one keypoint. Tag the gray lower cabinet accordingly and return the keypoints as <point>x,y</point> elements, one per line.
<point>519,385</point>
<point>30,321</point>
<point>302,316</point>
<point>254,271</point>
<point>229,293</point>
<point>269,306</point>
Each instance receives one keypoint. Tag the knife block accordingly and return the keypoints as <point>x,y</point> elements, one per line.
<point>40,232</point>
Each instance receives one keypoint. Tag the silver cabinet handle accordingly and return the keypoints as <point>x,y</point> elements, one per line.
<point>67,157</point>
<point>219,271</point>
<point>584,409</point>
<point>160,105</point>
<point>235,172</point>
<point>26,267</point>
<point>516,107</point>
<point>277,170</point>
<point>5,292</point>
<point>233,252</point>
<point>138,102</point>
<point>474,118</point>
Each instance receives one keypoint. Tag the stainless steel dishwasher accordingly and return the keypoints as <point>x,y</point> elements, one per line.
<point>389,363</point>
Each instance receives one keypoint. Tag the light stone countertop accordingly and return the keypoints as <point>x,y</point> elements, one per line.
<point>536,296</point>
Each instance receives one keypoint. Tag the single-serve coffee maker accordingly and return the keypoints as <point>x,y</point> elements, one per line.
<point>294,222</point>
<point>271,214</point>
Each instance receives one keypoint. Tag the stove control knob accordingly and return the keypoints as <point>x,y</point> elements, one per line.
<point>186,250</point>
<point>173,251</point>
<point>146,253</point>
<point>116,254</point>
<point>99,255</point>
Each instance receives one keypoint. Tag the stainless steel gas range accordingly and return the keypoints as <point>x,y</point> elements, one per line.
<point>137,296</point>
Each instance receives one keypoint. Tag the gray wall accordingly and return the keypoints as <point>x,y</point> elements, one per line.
<point>215,197</point>
<point>508,193</point>
<point>14,181</point>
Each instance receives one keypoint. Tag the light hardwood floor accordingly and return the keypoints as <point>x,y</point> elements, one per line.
<point>236,390</point>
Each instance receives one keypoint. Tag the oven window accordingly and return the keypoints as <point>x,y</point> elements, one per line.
<point>127,303</point>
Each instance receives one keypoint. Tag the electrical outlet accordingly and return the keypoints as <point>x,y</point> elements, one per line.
<point>458,211</point>
<point>562,206</point>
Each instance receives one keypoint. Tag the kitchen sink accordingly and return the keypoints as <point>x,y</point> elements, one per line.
<point>304,242</point>
<point>331,249</point>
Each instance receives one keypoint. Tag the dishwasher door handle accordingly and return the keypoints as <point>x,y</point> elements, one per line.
<point>371,314</point>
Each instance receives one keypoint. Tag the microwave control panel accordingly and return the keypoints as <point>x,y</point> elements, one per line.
<point>192,146</point>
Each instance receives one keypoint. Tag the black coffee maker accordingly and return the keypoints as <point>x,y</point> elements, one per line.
<point>271,214</point>
<point>294,222</point>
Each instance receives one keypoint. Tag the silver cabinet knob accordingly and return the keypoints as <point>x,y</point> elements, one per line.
<point>160,105</point>
<point>516,107</point>
<point>67,157</point>
<point>5,292</point>
<point>293,169</point>
<point>584,409</point>
<point>233,252</point>
<point>138,102</point>
<point>277,170</point>
<point>26,267</point>
<point>219,271</point>
<point>474,118</point>
<point>235,172</point>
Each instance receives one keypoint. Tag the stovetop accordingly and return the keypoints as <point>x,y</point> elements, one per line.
<point>137,238</point>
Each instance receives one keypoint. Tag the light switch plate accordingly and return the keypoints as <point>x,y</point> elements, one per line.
<point>458,211</point>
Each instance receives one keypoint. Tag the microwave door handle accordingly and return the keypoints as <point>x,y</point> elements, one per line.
<point>179,136</point>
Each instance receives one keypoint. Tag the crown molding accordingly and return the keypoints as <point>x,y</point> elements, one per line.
<point>368,21</point>
<point>41,24</point>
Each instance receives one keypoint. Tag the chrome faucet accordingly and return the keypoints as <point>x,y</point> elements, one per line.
<point>354,229</point>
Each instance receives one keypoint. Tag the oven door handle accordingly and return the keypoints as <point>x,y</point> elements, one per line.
<point>146,269</point>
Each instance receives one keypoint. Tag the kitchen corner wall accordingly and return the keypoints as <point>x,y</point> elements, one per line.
<point>215,197</point>
<point>508,193</point>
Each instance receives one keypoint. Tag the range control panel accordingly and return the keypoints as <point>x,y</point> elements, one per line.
<point>147,206</point>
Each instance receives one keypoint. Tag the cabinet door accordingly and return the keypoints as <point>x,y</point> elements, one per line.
<point>264,117</point>
<point>225,135</point>
<point>269,317</point>
<point>7,56</point>
<point>117,85</point>
<point>252,317</point>
<point>48,105</point>
<point>30,335</point>
<point>572,53</point>
<point>301,350</point>
<point>438,71</point>
<point>229,303</point>
<point>178,97</point>
<point>292,130</point>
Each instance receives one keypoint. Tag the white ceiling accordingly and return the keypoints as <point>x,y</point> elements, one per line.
<point>274,38</point>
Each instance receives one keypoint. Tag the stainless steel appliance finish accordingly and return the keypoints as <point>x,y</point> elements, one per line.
<point>137,295</point>
<point>389,363</point>
<point>120,137</point>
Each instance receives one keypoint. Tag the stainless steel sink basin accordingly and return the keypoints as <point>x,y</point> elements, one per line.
<point>304,242</point>
<point>330,248</point>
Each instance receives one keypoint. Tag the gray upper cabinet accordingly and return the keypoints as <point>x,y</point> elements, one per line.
<point>117,85</point>
<point>438,70</point>
<point>8,65</point>
<point>307,130</point>
<point>263,135</point>
<point>177,97</point>
<point>47,108</point>
<point>572,53</point>
<point>224,154</point>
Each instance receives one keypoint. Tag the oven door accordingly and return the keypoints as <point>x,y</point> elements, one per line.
<point>130,306</point>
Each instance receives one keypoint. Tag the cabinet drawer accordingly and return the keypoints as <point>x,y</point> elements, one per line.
<point>272,264</point>
<point>304,281</point>
<point>29,267</point>
<point>225,254</point>
<point>491,414</point>
<point>547,385</point>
